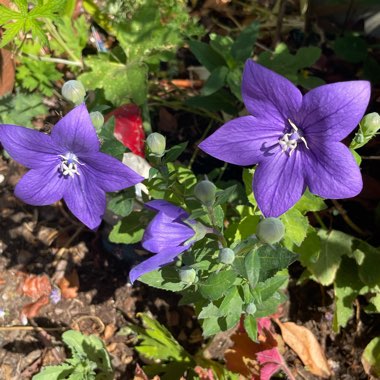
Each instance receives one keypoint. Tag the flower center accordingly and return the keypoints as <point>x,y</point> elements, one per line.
<point>290,140</point>
<point>69,164</point>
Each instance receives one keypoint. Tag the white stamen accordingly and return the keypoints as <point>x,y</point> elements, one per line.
<point>69,164</point>
<point>290,144</point>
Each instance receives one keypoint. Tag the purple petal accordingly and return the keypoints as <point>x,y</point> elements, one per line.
<point>109,173</point>
<point>278,183</point>
<point>174,212</point>
<point>30,148</point>
<point>85,199</point>
<point>268,95</point>
<point>155,262</point>
<point>163,233</point>
<point>40,187</point>
<point>331,171</point>
<point>75,132</point>
<point>332,111</point>
<point>243,141</point>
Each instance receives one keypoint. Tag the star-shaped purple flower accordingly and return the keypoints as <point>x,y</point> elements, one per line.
<point>168,234</point>
<point>294,139</point>
<point>67,164</point>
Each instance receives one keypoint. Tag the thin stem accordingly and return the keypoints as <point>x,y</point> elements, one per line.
<point>221,238</point>
<point>53,31</point>
<point>205,133</point>
<point>320,221</point>
<point>54,60</point>
<point>347,219</point>
<point>31,328</point>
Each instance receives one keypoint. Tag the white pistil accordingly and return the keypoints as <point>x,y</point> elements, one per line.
<point>290,140</point>
<point>69,164</point>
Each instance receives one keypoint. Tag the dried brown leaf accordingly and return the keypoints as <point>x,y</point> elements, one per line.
<point>7,72</point>
<point>141,375</point>
<point>304,343</point>
<point>69,285</point>
<point>31,310</point>
<point>36,286</point>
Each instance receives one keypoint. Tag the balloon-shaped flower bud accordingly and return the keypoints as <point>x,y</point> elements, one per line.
<point>270,230</point>
<point>97,120</point>
<point>74,91</point>
<point>370,123</point>
<point>226,256</point>
<point>251,308</point>
<point>187,275</point>
<point>205,191</point>
<point>156,144</point>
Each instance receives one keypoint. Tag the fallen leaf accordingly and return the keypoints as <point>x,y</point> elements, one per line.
<point>204,373</point>
<point>36,286</point>
<point>303,342</point>
<point>7,72</point>
<point>371,358</point>
<point>31,310</point>
<point>109,331</point>
<point>129,127</point>
<point>69,285</point>
<point>272,362</point>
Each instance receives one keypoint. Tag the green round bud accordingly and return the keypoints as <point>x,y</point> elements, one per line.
<point>74,91</point>
<point>270,230</point>
<point>251,308</point>
<point>97,120</point>
<point>187,275</point>
<point>205,191</point>
<point>156,144</point>
<point>370,123</point>
<point>226,256</point>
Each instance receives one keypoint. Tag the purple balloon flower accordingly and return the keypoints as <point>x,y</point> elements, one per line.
<point>67,164</point>
<point>168,234</point>
<point>294,139</point>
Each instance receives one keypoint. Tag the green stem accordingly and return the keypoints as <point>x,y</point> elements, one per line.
<point>320,221</point>
<point>220,236</point>
<point>53,31</point>
<point>54,60</point>
<point>196,151</point>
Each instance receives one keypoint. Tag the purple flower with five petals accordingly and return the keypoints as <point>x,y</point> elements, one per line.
<point>168,234</point>
<point>67,164</point>
<point>294,139</point>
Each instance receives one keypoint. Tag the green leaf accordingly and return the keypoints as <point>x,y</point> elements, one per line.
<point>218,101</point>
<point>270,306</point>
<point>206,55</point>
<point>165,278</point>
<point>231,307</point>
<point>225,195</point>
<point>351,48</point>
<point>265,290</point>
<point>368,269</point>
<point>121,203</point>
<point>371,357</point>
<point>357,157</point>
<point>310,202</point>
<point>215,81</point>
<point>130,229</point>
<point>217,284</point>
<point>131,83</point>
<point>274,259</point>
<point>242,48</point>
<point>54,372</point>
<point>250,326</point>
<point>209,311</point>
<point>252,267</point>
<point>174,152</point>
<point>321,253</point>
<point>20,109</point>
<point>296,226</point>
<point>347,287</point>
<point>110,145</point>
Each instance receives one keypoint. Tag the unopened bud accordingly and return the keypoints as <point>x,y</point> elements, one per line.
<point>157,144</point>
<point>251,308</point>
<point>205,191</point>
<point>74,91</point>
<point>187,275</point>
<point>270,230</point>
<point>370,123</point>
<point>226,256</point>
<point>97,120</point>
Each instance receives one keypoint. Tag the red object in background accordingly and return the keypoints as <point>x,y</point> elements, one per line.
<point>129,127</point>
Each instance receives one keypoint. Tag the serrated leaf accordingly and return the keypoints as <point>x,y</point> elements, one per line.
<point>121,203</point>
<point>217,284</point>
<point>174,152</point>
<point>54,372</point>
<point>296,226</point>
<point>130,229</point>
<point>273,260</point>
<point>224,196</point>
<point>250,326</point>
<point>265,290</point>
<point>11,32</point>
<point>209,311</point>
<point>310,202</point>
<point>110,145</point>
<point>252,267</point>
<point>231,308</point>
